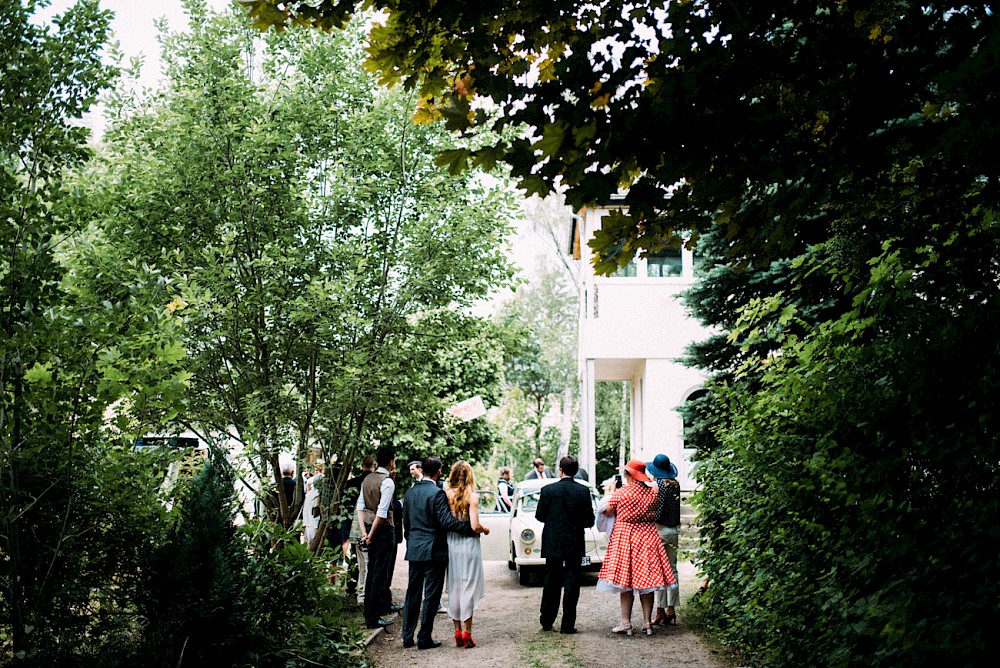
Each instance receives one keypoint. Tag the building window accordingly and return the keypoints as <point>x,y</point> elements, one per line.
<point>628,271</point>
<point>664,264</point>
<point>692,400</point>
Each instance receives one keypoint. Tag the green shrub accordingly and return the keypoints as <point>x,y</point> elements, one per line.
<point>89,522</point>
<point>219,595</point>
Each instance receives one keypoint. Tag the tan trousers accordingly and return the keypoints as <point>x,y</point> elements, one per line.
<point>362,556</point>
<point>669,597</point>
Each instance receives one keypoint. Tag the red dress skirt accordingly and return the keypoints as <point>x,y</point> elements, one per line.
<point>635,559</point>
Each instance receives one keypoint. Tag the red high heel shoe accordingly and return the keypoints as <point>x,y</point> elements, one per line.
<point>459,639</point>
<point>469,642</point>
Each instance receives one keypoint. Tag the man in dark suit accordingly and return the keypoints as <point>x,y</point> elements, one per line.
<point>566,510</point>
<point>426,523</point>
<point>539,470</point>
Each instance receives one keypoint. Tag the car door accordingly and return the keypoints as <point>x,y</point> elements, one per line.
<point>494,545</point>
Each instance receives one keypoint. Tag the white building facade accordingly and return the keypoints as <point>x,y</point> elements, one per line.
<point>634,327</point>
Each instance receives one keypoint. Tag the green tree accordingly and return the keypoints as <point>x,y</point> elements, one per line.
<point>529,372</point>
<point>540,324</point>
<point>611,427</point>
<point>773,120</point>
<point>867,431</point>
<point>80,369</point>
<point>457,357</point>
<point>314,243</point>
<point>216,594</point>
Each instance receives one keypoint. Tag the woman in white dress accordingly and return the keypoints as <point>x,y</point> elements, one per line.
<point>466,582</point>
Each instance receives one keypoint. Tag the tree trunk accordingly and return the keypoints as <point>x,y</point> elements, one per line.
<point>566,428</point>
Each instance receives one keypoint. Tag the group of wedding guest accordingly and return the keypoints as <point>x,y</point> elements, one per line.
<point>442,530</point>
<point>641,558</point>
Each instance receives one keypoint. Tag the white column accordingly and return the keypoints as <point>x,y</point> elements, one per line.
<point>588,437</point>
<point>637,437</point>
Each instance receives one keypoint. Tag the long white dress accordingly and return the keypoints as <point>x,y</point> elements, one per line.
<point>465,579</point>
<point>312,498</point>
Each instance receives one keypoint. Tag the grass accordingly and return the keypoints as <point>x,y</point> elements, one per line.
<point>549,650</point>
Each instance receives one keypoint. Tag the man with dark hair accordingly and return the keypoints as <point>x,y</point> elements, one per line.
<point>539,470</point>
<point>378,535</point>
<point>426,521</point>
<point>566,509</point>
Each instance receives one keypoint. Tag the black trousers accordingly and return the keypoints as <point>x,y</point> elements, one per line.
<point>381,554</point>
<point>423,598</point>
<point>562,575</point>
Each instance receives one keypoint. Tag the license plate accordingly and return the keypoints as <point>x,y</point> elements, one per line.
<point>585,561</point>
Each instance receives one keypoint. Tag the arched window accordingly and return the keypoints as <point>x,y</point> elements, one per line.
<point>691,399</point>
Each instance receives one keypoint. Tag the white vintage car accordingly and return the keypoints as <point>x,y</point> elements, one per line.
<point>517,536</point>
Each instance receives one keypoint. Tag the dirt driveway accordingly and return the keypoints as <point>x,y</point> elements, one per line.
<point>508,635</point>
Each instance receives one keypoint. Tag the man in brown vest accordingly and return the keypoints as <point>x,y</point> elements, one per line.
<point>378,534</point>
<point>358,565</point>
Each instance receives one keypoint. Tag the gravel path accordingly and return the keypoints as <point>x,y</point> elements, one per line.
<point>508,635</point>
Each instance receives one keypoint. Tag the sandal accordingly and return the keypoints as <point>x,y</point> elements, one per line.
<point>661,617</point>
<point>623,628</point>
<point>647,629</point>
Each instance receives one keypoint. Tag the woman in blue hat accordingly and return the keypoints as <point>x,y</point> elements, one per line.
<point>668,522</point>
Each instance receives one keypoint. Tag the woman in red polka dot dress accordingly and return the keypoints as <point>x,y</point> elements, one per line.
<point>635,560</point>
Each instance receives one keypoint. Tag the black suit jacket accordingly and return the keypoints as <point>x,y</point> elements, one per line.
<point>427,521</point>
<point>566,510</point>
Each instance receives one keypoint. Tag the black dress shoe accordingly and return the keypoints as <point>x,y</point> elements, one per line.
<point>429,645</point>
<point>568,631</point>
<point>381,624</point>
<point>546,628</point>
<point>407,644</point>
<point>395,608</point>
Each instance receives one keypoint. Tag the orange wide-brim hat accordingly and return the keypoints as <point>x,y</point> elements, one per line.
<point>636,469</point>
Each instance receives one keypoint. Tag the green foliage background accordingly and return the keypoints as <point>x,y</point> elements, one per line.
<point>838,160</point>
<point>252,596</point>
<point>320,260</point>
<point>264,251</point>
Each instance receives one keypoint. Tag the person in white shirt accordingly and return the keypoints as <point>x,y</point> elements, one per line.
<point>310,507</point>
<point>505,490</point>
<point>378,534</point>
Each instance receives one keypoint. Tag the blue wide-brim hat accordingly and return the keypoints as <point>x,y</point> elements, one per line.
<point>661,467</point>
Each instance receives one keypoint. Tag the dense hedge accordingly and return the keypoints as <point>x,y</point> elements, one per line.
<point>849,503</point>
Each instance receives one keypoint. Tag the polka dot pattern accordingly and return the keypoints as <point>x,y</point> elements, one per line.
<point>635,558</point>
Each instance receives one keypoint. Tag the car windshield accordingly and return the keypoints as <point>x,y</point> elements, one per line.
<point>529,502</point>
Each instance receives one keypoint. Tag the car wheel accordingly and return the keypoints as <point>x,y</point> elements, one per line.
<point>523,577</point>
<point>510,564</point>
